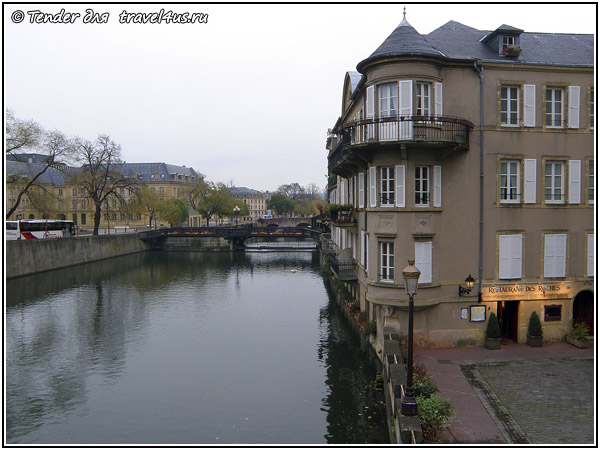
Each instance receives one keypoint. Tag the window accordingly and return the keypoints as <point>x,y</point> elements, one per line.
<point>422,185</point>
<point>509,182</point>
<point>554,107</point>
<point>161,190</point>
<point>552,313</point>
<point>386,250</point>
<point>423,261</point>
<point>60,192</point>
<point>592,112</point>
<point>388,100</point>
<point>555,255</point>
<point>74,191</point>
<point>364,257</point>
<point>590,181</point>
<point>590,255</point>
<point>75,219</point>
<point>553,187</point>
<point>423,99</point>
<point>83,219</point>
<point>387,186</point>
<point>507,41</point>
<point>509,105</point>
<point>510,256</point>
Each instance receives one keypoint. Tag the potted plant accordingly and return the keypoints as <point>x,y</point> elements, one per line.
<point>512,50</point>
<point>534,331</point>
<point>492,333</point>
<point>578,336</point>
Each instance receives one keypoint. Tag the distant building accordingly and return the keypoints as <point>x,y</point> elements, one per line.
<point>255,200</point>
<point>425,120</point>
<point>56,196</point>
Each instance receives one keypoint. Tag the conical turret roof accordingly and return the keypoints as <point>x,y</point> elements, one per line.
<point>404,41</point>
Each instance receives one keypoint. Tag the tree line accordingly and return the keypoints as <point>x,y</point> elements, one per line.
<point>94,166</point>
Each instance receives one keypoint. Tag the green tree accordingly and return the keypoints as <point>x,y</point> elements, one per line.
<point>208,198</point>
<point>147,202</point>
<point>306,206</point>
<point>281,204</point>
<point>174,211</point>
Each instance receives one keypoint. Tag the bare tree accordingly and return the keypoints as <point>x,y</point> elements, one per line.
<point>99,175</point>
<point>53,145</point>
<point>21,134</point>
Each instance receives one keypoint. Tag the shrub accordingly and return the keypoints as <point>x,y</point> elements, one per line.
<point>535,327</point>
<point>367,328</point>
<point>434,413</point>
<point>424,385</point>
<point>580,332</point>
<point>493,327</point>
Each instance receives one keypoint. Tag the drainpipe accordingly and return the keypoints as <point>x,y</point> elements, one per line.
<point>479,70</point>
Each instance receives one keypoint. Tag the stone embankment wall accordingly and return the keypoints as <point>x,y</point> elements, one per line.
<point>26,257</point>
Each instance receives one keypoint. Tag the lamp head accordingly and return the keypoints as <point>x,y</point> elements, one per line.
<point>411,277</point>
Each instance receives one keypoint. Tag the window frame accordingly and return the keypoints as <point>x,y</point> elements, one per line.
<point>386,261</point>
<point>419,191</point>
<point>508,100</point>
<point>553,176</point>
<point>392,88</point>
<point>589,180</point>
<point>387,184</point>
<point>591,110</point>
<point>552,113</point>
<point>517,180</point>
<point>419,95</point>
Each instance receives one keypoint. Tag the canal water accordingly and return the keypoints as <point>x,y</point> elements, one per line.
<point>186,348</point>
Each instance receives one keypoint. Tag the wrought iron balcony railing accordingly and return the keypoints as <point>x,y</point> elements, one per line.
<point>434,131</point>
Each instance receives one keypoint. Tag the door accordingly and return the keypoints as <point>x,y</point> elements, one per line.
<point>583,310</point>
<point>508,315</point>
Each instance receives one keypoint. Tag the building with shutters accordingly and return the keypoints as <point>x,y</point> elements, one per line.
<point>255,200</point>
<point>56,196</point>
<point>473,152</point>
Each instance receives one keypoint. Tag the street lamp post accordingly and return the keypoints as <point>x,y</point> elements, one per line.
<point>411,279</point>
<point>236,211</point>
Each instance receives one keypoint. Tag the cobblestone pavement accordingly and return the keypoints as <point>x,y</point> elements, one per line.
<point>542,401</point>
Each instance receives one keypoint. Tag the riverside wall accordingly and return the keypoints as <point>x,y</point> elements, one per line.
<point>26,257</point>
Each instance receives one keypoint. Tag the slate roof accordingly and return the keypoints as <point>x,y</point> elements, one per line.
<point>18,164</point>
<point>244,192</point>
<point>167,172</point>
<point>454,40</point>
<point>51,176</point>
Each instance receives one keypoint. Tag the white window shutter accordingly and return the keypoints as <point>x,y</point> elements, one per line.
<point>423,257</point>
<point>437,186</point>
<point>573,106</point>
<point>549,260</point>
<point>529,105</point>
<point>366,253</point>
<point>361,190</point>
<point>406,103</point>
<point>438,111</point>
<point>574,181</point>
<point>373,187</point>
<point>370,93</point>
<point>510,254</point>
<point>354,202</point>
<point>529,181</point>
<point>370,102</point>
<point>342,192</point>
<point>362,248</point>
<point>516,263</point>
<point>561,255</point>
<point>400,186</point>
<point>590,255</point>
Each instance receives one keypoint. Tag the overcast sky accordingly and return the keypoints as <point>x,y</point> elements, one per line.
<point>247,96</point>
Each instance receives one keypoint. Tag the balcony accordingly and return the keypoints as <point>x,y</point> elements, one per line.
<point>345,270</point>
<point>356,139</point>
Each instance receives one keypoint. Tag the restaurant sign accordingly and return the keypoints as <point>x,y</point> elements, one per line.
<point>526,291</point>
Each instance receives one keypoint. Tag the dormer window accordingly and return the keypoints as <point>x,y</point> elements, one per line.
<point>508,41</point>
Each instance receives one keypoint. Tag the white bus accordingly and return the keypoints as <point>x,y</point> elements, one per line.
<point>38,229</point>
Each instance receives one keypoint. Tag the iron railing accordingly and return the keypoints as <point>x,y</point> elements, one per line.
<point>430,130</point>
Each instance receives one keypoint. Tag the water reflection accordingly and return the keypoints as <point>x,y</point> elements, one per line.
<point>184,348</point>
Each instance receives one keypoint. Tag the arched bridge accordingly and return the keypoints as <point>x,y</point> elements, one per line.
<point>236,236</point>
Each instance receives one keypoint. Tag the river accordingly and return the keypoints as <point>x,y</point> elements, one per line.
<point>186,348</point>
